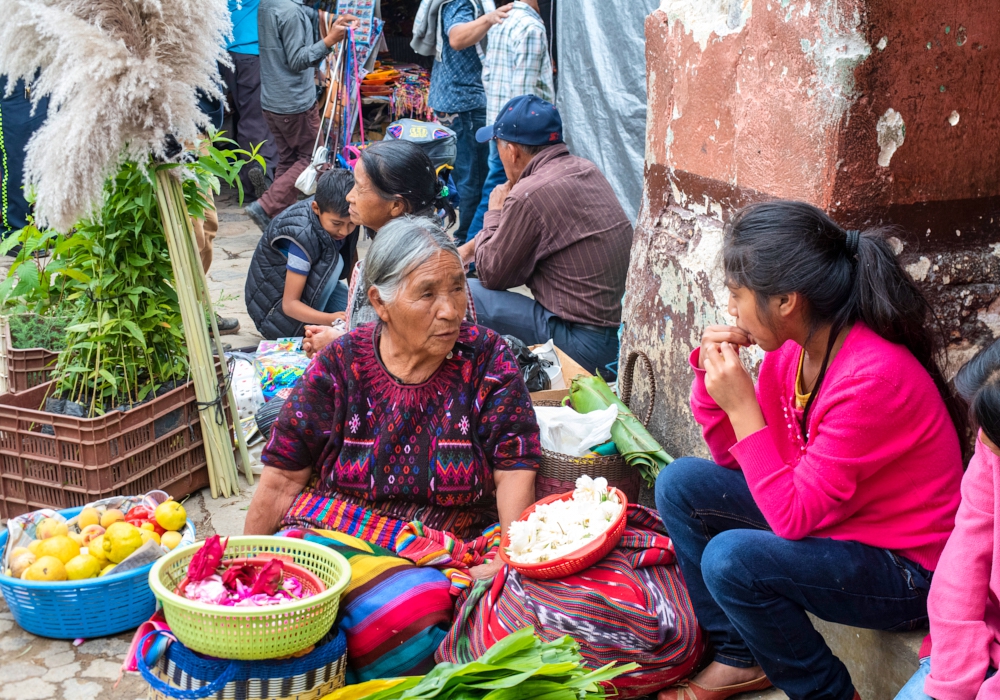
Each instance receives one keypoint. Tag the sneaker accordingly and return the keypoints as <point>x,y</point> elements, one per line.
<point>256,177</point>
<point>227,326</point>
<point>256,213</point>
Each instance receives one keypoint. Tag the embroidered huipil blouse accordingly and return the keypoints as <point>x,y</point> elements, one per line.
<point>374,439</point>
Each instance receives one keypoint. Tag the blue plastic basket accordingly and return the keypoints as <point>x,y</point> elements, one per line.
<point>80,609</point>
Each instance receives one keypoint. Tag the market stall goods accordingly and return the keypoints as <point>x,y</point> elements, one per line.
<point>558,528</point>
<point>630,436</point>
<point>66,600</point>
<point>249,632</point>
<point>517,667</point>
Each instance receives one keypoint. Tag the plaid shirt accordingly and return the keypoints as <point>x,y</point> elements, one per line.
<point>517,60</point>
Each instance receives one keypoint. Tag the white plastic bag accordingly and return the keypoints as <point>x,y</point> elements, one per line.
<point>570,433</point>
<point>306,181</point>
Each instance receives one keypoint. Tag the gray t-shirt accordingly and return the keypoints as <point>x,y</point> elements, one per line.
<point>290,50</point>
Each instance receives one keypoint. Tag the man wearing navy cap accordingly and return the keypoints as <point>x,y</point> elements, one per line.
<point>557,227</point>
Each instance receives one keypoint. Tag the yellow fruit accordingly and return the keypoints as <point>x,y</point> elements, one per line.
<point>112,515</point>
<point>50,527</point>
<point>120,541</point>
<point>82,566</point>
<point>76,537</point>
<point>88,516</point>
<point>21,562</point>
<point>96,549</point>
<point>148,526</point>
<point>170,539</point>
<point>147,536</point>
<point>91,532</point>
<point>62,547</point>
<point>45,569</point>
<point>107,569</point>
<point>33,546</point>
<point>171,515</point>
<point>18,551</point>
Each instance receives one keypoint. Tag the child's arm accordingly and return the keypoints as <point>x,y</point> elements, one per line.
<point>293,306</point>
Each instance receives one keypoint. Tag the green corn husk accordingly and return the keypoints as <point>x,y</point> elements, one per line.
<point>519,666</point>
<point>634,442</point>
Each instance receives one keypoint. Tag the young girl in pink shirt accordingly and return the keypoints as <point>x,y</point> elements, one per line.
<point>963,604</point>
<point>835,480</point>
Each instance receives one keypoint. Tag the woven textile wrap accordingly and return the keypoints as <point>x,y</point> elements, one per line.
<point>394,613</point>
<point>632,606</point>
<point>442,550</point>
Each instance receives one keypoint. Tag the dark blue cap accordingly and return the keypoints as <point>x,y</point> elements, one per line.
<point>527,120</point>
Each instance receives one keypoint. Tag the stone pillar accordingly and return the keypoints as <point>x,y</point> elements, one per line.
<point>882,113</point>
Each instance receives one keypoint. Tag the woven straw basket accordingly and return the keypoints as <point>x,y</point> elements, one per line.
<point>557,473</point>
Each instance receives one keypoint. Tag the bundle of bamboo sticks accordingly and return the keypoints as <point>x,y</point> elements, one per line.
<point>196,307</point>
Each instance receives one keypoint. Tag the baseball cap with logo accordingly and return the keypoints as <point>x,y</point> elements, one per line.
<point>527,120</point>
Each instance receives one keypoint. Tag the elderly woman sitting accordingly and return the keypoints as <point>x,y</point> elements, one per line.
<point>419,416</point>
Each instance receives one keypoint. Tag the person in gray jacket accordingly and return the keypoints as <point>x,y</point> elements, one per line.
<point>290,50</point>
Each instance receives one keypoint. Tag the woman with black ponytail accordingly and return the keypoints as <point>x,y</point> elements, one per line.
<point>392,178</point>
<point>835,479</point>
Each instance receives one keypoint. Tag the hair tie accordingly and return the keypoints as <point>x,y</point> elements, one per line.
<point>853,238</point>
<point>444,192</point>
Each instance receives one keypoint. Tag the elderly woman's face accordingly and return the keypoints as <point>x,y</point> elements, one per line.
<point>367,206</point>
<point>429,307</point>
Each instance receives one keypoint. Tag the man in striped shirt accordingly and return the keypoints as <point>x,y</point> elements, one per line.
<point>557,227</point>
<point>517,63</point>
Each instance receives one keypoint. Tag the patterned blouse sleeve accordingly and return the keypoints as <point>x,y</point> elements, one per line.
<point>310,427</point>
<point>507,429</point>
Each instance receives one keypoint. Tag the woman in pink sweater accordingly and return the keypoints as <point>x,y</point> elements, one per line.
<point>835,480</point>
<point>964,603</point>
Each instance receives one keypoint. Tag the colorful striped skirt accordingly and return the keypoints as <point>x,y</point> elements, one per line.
<point>632,606</point>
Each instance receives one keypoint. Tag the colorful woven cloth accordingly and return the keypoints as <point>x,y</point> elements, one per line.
<point>394,613</point>
<point>442,550</point>
<point>632,606</point>
<point>381,523</point>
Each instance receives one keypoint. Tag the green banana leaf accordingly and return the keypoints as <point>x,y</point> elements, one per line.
<point>634,442</point>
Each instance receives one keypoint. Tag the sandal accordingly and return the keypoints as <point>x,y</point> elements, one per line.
<point>692,691</point>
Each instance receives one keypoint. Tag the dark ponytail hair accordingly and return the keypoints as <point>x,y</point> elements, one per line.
<point>845,276</point>
<point>402,169</point>
<point>978,382</point>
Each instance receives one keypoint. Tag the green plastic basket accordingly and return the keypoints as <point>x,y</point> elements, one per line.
<point>251,634</point>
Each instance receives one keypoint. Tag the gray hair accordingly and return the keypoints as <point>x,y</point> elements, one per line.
<point>401,246</point>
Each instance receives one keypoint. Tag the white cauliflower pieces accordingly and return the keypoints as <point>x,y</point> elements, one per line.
<point>561,527</point>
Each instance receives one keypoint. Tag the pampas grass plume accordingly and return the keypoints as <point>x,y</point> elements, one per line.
<point>121,74</point>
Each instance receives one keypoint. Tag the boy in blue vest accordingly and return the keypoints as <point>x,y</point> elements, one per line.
<point>296,274</point>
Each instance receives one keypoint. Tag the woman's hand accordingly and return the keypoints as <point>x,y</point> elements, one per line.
<point>731,386</point>
<point>318,337</point>
<point>487,570</point>
<point>714,336</point>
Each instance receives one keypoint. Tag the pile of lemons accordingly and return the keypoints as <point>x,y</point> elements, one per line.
<point>103,541</point>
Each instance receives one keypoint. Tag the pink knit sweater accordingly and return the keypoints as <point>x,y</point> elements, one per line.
<point>963,604</point>
<point>882,463</point>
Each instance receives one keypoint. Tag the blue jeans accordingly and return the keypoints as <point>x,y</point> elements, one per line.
<point>510,313</point>
<point>914,688</point>
<point>495,176</point>
<point>471,163</point>
<point>751,589</point>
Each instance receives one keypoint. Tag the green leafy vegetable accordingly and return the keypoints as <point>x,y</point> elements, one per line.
<point>518,666</point>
